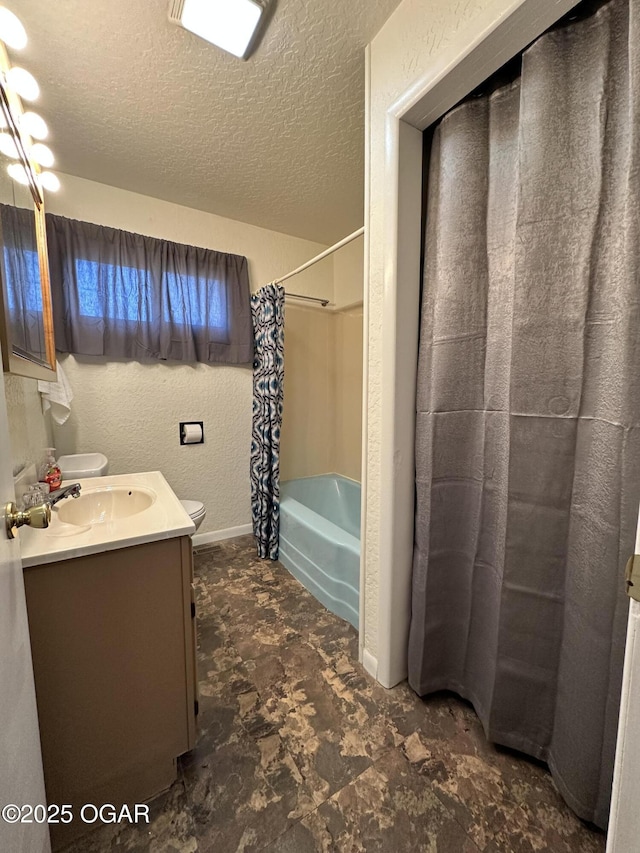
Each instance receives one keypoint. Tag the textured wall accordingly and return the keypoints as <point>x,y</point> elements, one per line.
<point>413,39</point>
<point>29,430</point>
<point>130,411</point>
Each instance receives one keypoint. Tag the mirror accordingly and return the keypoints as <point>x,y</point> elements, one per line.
<point>26,336</point>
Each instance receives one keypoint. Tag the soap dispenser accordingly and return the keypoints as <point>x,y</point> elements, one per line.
<point>50,472</point>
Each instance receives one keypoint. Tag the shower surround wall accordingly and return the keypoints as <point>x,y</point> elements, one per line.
<point>322,425</point>
<point>307,444</point>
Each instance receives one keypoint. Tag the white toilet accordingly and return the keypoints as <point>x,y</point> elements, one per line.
<point>79,465</point>
<point>196,511</point>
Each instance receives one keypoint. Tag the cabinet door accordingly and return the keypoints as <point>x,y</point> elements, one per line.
<point>111,658</point>
<point>191,643</point>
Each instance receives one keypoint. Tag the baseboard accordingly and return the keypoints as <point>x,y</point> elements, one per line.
<point>370,663</point>
<point>219,535</point>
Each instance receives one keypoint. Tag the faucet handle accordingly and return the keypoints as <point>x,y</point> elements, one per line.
<point>36,494</point>
<point>35,516</point>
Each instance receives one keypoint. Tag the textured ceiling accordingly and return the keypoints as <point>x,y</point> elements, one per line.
<point>136,102</point>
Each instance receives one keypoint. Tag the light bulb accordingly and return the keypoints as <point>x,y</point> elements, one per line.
<point>12,32</point>
<point>34,125</point>
<point>42,154</point>
<point>50,182</point>
<point>8,146</point>
<point>18,172</point>
<point>23,83</point>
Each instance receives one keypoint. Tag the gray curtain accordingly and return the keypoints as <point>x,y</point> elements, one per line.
<point>267,310</point>
<point>129,296</point>
<point>528,404</point>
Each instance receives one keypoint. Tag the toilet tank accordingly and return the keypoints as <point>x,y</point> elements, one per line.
<point>75,466</point>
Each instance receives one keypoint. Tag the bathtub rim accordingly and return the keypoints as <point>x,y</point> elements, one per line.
<point>326,533</point>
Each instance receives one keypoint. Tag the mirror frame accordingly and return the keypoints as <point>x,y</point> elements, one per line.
<point>14,361</point>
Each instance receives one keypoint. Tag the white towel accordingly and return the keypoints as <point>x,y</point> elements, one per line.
<point>56,396</point>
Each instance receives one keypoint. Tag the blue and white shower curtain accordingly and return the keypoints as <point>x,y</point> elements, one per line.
<point>267,311</point>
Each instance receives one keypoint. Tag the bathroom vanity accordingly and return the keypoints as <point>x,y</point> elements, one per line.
<point>113,642</point>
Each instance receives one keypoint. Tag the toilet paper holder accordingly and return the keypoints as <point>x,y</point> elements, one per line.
<point>190,436</point>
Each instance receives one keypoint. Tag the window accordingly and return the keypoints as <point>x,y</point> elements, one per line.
<point>129,296</point>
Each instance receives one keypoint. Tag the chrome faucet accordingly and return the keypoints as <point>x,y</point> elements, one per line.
<point>72,491</point>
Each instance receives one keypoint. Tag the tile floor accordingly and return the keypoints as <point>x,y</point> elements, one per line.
<point>301,752</point>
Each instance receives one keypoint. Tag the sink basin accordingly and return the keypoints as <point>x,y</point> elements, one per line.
<point>112,512</point>
<point>100,506</point>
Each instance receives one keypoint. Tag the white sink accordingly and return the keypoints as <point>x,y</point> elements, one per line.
<point>116,511</point>
<point>102,505</point>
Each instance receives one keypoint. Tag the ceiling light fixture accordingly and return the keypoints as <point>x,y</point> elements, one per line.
<point>23,83</point>
<point>229,24</point>
<point>11,30</point>
<point>34,125</point>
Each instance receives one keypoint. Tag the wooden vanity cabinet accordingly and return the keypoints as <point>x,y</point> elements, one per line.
<point>112,641</point>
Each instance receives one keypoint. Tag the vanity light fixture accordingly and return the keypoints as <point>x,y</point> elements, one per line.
<point>229,24</point>
<point>23,128</point>
<point>42,154</point>
<point>23,83</point>
<point>8,146</point>
<point>12,32</point>
<point>50,182</point>
<point>18,173</point>
<point>34,125</point>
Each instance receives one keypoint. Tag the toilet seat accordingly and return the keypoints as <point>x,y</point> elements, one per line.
<point>195,509</point>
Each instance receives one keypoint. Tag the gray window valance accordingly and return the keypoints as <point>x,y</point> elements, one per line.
<point>125,295</point>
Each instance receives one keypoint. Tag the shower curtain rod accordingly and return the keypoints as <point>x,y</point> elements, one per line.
<point>320,257</point>
<point>323,302</point>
